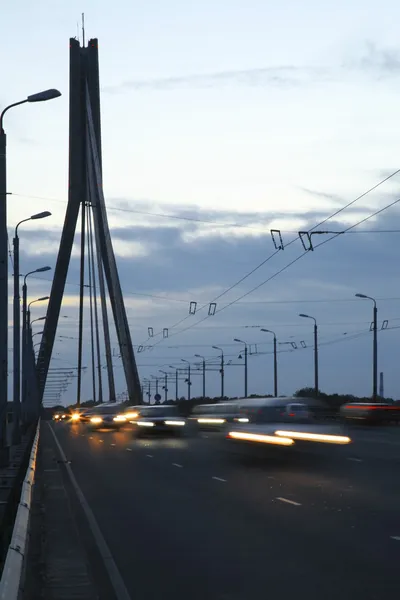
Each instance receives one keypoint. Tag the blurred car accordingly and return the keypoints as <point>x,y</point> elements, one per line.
<point>214,416</point>
<point>110,415</point>
<point>284,423</point>
<point>159,418</point>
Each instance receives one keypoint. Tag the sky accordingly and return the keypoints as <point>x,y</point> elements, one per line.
<point>221,121</point>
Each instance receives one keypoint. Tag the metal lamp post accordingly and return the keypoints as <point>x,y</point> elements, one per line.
<point>188,380</point>
<point>275,363</point>
<point>165,385</point>
<point>222,370</point>
<point>40,97</point>
<point>16,436</point>
<point>245,364</point>
<point>176,382</point>
<point>25,329</point>
<point>375,347</point>
<point>204,373</point>
<point>316,387</point>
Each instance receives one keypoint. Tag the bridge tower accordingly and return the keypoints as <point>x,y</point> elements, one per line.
<point>85,198</point>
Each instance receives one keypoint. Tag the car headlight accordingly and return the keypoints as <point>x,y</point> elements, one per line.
<point>211,421</point>
<point>119,419</point>
<point>260,438</point>
<point>178,423</point>
<point>75,417</point>
<point>145,423</point>
<point>131,415</point>
<point>96,420</point>
<point>314,437</point>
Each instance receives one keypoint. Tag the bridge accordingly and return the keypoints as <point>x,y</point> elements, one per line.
<point>94,514</point>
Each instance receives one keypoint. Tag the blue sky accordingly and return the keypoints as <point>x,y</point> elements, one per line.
<point>244,113</point>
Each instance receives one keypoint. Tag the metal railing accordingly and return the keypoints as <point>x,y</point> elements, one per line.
<point>12,578</point>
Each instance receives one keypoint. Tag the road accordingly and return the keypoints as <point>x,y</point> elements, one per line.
<point>183,519</point>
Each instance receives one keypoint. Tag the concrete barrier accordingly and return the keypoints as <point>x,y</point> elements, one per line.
<point>13,574</point>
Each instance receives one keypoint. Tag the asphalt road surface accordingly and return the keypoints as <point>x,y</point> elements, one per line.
<point>185,520</point>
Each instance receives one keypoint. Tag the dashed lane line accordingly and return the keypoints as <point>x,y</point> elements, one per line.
<point>129,449</point>
<point>289,501</point>
<point>149,455</point>
<point>395,537</point>
<point>219,479</point>
<point>177,465</point>
<point>359,460</point>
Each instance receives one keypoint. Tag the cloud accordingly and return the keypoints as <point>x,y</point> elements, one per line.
<point>369,58</point>
<point>280,76</point>
<point>178,269</point>
<point>375,59</point>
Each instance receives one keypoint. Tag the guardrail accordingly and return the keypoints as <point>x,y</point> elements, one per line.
<point>12,578</point>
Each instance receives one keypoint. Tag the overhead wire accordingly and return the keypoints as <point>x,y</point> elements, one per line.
<point>262,263</point>
<point>284,268</point>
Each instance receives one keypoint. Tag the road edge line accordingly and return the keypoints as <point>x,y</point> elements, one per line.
<point>113,572</point>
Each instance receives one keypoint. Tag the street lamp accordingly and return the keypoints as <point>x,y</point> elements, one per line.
<point>40,97</point>
<point>39,319</point>
<point>204,373</point>
<point>275,363</point>
<point>315,352</point>
<point>25,329</point>
<point>188,379</point>
<point>165,385</point>
<point>16,436</point>
<point>375,348</point>
<point>176,382</point>
<point>222,370</point>
<point>245,364</point>
<point>38,300</point>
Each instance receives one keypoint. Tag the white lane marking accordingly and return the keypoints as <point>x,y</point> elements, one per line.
<point>101,441</point>
<point>149,455</point>
<point>219,479</point>
<point>395,537</point>
<point>116,580</point>
<point>112,444</point>
<point>289,501</point>
<point>270,477</point>
<point>128,449</point>
<point>90,437</point>
<point>355,459</point>
<point>177,465</point>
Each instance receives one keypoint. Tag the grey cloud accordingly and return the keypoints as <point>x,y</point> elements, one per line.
<point>285,76</point>
<point>359,262</point>
<point>375,59</point>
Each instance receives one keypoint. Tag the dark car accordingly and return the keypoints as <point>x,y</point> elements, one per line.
<point>108,415</point>
<point>159,418</point>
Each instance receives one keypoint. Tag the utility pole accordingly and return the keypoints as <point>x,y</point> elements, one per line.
<point>245,364</point>
<point>204,374</point>
<point>316,385</point>
<point>374,347</point>
<point>189,383</point>
<point>275,362</point>
<point>222,371</point>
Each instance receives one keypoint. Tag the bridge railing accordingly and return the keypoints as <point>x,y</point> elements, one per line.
<point>13,574</point>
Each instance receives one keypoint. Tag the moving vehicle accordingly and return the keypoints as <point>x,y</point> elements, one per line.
<point>215,416</point>
<point>370,413</point>
<point>110,415</point>
<point>159,418</point>
<point>284,422</point>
